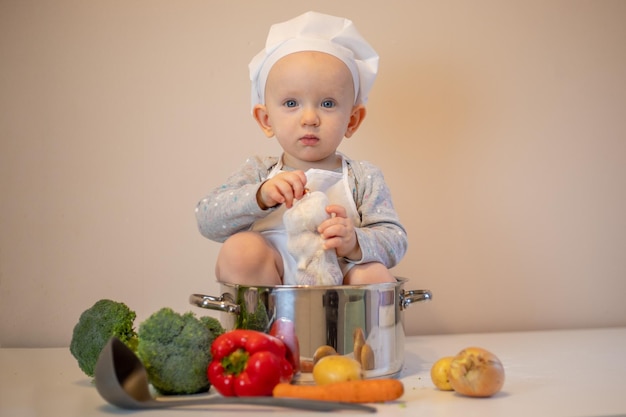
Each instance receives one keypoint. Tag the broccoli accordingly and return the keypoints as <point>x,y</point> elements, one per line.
<point>213,325</point>
<point>96,325</point>
<point>176,350</point>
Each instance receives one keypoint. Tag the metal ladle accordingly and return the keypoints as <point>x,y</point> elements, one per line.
<point>122,380</point>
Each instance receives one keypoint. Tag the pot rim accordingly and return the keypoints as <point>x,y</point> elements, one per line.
<point>399,282</point>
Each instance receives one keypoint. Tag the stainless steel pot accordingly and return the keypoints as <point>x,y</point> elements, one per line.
<point>344,317</point>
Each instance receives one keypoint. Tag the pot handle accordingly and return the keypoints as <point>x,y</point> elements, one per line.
<point>413,296</point>
<point>214,303</point>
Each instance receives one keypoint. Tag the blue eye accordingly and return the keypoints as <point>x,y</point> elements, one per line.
<point>328,104</point>
<point>290,103</point>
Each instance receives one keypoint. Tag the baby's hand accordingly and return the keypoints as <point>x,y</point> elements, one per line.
<point>339,233</point>
<point>283,188</point>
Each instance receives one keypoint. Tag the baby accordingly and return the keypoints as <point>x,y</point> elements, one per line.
<point>309,88</point>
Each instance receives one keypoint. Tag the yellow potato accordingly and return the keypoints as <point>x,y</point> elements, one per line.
<point>367,358</point>
<point>322,351</point>
<point>359,340</point>
<point>336,368</point>
<point>440,373</point>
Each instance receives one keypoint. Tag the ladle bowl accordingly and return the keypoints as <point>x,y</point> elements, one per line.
<point>122,380</point>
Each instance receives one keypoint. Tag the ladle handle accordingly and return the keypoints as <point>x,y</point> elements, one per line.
<point>294,403</point>
<point>414,296</point>
<point>214,303</point>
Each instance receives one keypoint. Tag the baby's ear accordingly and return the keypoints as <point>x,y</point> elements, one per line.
<point>262,118</point>
<point>356,118</point>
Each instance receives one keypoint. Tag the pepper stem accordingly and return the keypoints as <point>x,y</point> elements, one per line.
<point>236,362</point>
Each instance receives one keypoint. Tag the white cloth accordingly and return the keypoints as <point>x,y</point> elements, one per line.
<point>336,187</point>
<point>314,31</point>
<point>316,264</point>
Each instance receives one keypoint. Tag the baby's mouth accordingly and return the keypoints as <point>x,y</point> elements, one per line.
<point>309,140</point>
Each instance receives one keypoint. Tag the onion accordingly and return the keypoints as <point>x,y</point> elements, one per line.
<point>476,372</point>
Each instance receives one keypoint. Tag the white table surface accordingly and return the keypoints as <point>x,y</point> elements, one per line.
<point>551,373</point>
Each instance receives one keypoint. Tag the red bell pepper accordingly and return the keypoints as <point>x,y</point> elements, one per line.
<point>248,363</point>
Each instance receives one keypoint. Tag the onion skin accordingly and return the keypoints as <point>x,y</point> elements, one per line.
<point>476,372</point>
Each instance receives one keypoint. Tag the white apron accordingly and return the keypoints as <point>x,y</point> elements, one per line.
<point>335,185</point>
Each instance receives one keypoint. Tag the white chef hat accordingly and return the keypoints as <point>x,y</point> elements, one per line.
<point>319,32</point>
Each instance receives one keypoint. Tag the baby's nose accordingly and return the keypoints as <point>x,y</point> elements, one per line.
<point>310,117</point>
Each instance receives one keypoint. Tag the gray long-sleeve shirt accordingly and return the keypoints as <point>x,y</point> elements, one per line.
<point>232,207</point>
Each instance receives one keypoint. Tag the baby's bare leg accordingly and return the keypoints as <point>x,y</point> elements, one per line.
<point>370,273</point>
<point>246,258</point>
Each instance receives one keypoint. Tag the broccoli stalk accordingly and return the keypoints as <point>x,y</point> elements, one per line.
<point>176,350</point>
<point>96,325</point>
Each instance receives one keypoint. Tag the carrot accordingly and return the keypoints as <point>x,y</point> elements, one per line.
<point>359,391</point>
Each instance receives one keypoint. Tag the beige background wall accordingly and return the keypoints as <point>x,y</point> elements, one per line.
<point>500,127</point>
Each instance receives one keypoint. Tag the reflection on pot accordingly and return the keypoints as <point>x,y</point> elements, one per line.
<point>363,353</point>
<point>330,303</point>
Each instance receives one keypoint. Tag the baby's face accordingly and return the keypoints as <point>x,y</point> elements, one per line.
<point>309,98</point>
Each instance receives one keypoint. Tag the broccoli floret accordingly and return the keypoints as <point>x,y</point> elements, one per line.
<point>176,351</point>
<point>96,325</point>
<point>213,325</point>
